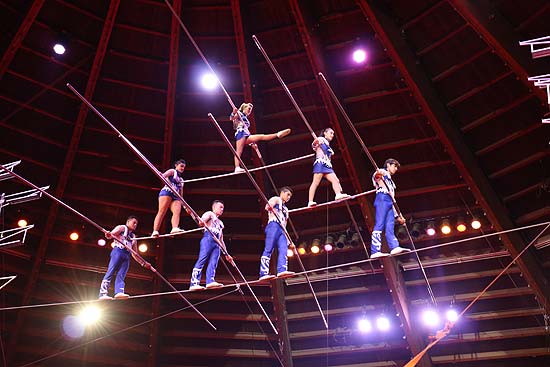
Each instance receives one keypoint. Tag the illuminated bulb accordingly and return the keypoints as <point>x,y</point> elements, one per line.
<point>328,247</point>
<point>452,315</point>
<point>315,246</point>
<point>359,56</point>
<point>89,315</point>
<point>59,49</point>
<point>101,242</point>
<point>445,227</point>
<point>143,248</point>
<point>209,81</point>
<point>302,250</point>
<point>430,318</point>
<point>476,224</point>
<point>460,225</point>
<point>382,323</point>
<point>364,325</point>
<point>22,223</point>
<point>289,253</point>
<point>430,229</point>
<point>74,236</point>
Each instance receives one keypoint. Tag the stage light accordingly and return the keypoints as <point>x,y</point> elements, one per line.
<point>445,226</point>
<point>74,236</point>
<point>22,223</point>
<point>341,241</point>
<point>89,315</point>
<point>289,253</point>
<point>143,248</point>
<point>302,248</point>
<point>359,56</point>
<point>364,325</point>
<point>430,229</point>
<point>430,318</point>
<point>416,230</point>
<point>355,240</point>
<point>476,224</point>
<point>452,315</point>
<point>401,233</point>
<point>59,49</point>
<point>101,242</point>
<point>315,246</point>
<point>209,81</point>
<point>460,225</point>
<point>329,244</point>
<point>383,323</point>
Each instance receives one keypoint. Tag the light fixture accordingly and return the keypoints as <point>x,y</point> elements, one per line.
<point>341,241</point>
<point>89,315</point>
<point>416,230</point>
<point>430,229</point>
<point>452,315</point>
<point>22,223</point>
<point>445,226</point>
<point>101,242</point>
<point>289,253</point>
<point>143,248</point>
<point>402,233</point>
<point>460,224</point>
<point>359,56</point>
<point>209,81</point>
<point>364,325</point>
<point>315,246</point>
<point>355,240</point>
<point>74,236</point>
<point>329,244</point>
<point>302,248</point>
<point>430,318</point>
<point>383,323</point>
<point>476,224</point>
<point>59,49</point>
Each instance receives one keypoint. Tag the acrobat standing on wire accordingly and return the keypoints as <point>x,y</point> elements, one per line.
<point>167,199</point>
<point>385,214</point>
<point>241,124</point>
<point>275,235</point>
<point>322,167</point>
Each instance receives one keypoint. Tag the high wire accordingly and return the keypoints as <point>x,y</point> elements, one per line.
<point>189,210</point>
<point>266,200</point>
<point>254,282</point>
<point>135,255</point>
<point>373,162</point>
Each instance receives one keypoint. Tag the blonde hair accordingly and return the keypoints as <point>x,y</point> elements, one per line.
<point>245,105</point>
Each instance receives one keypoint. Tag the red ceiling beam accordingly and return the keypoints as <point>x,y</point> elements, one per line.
<point>497,32</point>
<point>452,139</point>
<point>67,167</point>
<point>16,42</point>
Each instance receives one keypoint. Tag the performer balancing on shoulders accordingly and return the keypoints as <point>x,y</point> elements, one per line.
<point>385,212</point>
<point>120,258</point>
<point>209,248</point>
<point>322,167</point>
<point>275,236</point>
<point>167,199</point>
<point>241,124</point>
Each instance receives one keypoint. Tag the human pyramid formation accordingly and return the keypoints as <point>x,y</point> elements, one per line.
<point>275,230</point>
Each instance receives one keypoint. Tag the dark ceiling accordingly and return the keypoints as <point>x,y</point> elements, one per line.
<point>444,91</point>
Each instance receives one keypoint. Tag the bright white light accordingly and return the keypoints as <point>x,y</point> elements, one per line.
<point>383,323</point>
<point>359,56</point>
<point>143,248</point>
<point>476,224</point>
<point>209,81</point>
<point>59,49</point>
<point>72,327</point>
<point>101,242</point>
<point>22,223</point>
<point>328,247</point>
<point>89,315</point>
<point>289,253</point>
<point>364,325</point>
<point>430,318</point>
<point>452,315</point>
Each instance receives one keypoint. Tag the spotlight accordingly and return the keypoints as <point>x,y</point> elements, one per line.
<point>416,230</point>
<point>315,246</point>
<point>460,225</point>
<point>452,315</point>
<point>89,315</point>
<point>143,248</point>
<point>329,244</point>
<point>355,240</point>
<point>402,233</point>
<point>445,226</point>
<point>209,81</point>
<point>430,229</point>
<point>341,241</point>
<point>383,323</point>
<point>359,56</point>
<point>328,247</point>
<point>302,248</point>
<point>59,49</point>
<point>74,236</point>
<point>101,242</point>
<point>430,318</point>
<point>364,325</point>
<point>289,253</point>
<point>22,223</point>
<point>476,224</point>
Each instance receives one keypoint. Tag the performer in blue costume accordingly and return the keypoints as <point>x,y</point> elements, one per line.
<point>385,212</point>
<point>322,167</point>
<point>209,249</point>
<point>167,199</point>
<point>241,124</point>
<point>275,236</point>
<point>120,258</point>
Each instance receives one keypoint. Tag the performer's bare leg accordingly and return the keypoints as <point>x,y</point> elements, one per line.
<point>333,179</point>
<point>317,177</point>
<point>255,138</point>
<point>175,207</point>
<point>164,204</point>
